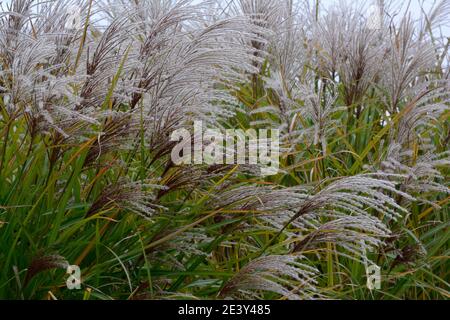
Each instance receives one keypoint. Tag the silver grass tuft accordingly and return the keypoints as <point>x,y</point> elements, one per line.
<point>285,275</point>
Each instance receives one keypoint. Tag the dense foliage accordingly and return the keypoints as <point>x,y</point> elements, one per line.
<point>88,103</point>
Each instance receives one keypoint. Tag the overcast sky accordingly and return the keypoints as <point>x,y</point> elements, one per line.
<point>414,6</point>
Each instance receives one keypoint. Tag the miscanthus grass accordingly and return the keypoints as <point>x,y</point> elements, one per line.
<point>90,96</point>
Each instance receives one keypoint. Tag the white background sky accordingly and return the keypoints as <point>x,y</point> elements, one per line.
<point>414,6</point>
